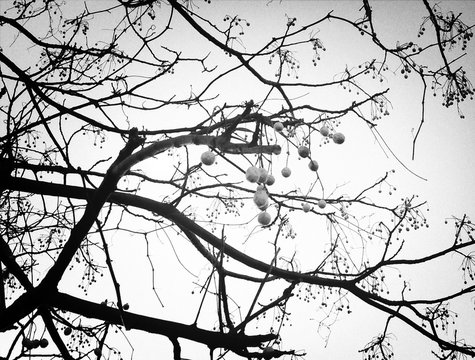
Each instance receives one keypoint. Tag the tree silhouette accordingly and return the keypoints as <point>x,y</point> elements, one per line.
<point>113,128</point>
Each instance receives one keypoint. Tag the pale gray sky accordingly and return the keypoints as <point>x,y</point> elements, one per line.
<point>444,157</point>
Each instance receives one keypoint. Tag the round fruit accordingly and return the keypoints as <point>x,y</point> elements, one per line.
<point>306,207</point>
<point>338,138</point>
<point>35,343</point>
<point>268,349</point>
<point>208,158</point>
<point>68,331</point>
<point>264,218</point>
<point>303,151</point>
<point>262,175</point>
<point>97,352</point>
<point>278,126</point>
<point>260,197</point>
<point>44,343</point>
<point>322,203</point>
<point>125,307</point>
<point>27,343</point>
<point>324,130</point>
<point>264,206</point>
<point>270,180</point>
<point>286,172</point>
<point>252,174</point>
<point>313,165</point>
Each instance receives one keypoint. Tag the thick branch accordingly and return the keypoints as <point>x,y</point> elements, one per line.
<point>212,141</point>
<point>171,213</point>
<point>157,326</point>
<point>96,200</point>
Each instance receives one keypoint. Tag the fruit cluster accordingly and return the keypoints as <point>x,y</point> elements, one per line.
<point>34,343</point>
<point>262,177</point>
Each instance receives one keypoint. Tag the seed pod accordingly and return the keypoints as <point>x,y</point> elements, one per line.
<point>338,138</point>
<point>286,172</point>
<point>313,165</point>
<point>44,343</point>
<point>27,343</point>
<point>260,198</point>
<point>262,175</point>
<point>264,218</point>
<point>252,174</point>
<point>324,130</point>
<point>270,180</point>
<point>208,158</point>
<point>303,151</point>
<point>278,126</point>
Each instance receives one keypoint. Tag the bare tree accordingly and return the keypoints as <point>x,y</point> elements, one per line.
<point>103,113</point>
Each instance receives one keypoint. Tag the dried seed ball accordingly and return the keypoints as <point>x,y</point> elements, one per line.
<point>68,331</point>
<point>260,197</point>
<point>270,180</point>
<point>286,172</point>
<point>27,343</point>
<point>303,151</point>
<point>321,204</point>
<point>278,126</point>
<point>262,175</point>
<point>313,165</point>
<point>306,207</point>
<point>338,138</point>
<point>252,174</point>
<point>264,218</point>
<point>268,349</point>
<point>324,130</point>
<point>208,158</point>
<point>44,343</point>
<point>264,206</point>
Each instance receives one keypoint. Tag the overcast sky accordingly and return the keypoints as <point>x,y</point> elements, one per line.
<point>444,165</point>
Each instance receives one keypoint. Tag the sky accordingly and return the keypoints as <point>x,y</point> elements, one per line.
<point>443,164</point>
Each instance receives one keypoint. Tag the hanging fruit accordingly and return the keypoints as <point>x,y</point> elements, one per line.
<point>303,151</point>
<point>338,138</point>
<point>324,130</point>
<point>278,126</point>
<point>261,198</point>
<point>262,175</point>
<point>264,218</point>
<point>252,174</point>
<point>286,172</point>
<point>313,165</point>
<point>270,180</point>
<point>208,158</point>
<point>44,343</point>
